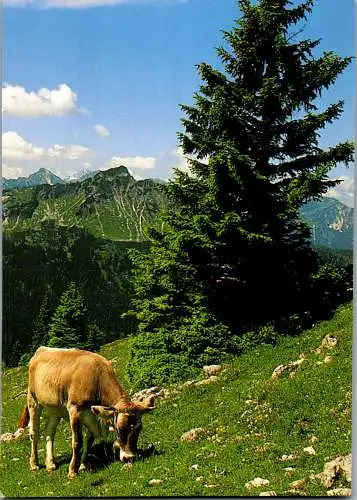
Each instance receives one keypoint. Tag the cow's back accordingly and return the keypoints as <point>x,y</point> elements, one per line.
<point>58,375</point>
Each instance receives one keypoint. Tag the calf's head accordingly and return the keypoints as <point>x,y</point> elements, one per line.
<point>126,422</point>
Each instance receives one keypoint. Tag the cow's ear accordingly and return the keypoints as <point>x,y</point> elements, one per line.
<point>147,404</point>
<point>103,411</point>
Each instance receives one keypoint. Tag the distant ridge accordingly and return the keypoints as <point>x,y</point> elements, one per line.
<point>42,176</point>
<point>111,203</point>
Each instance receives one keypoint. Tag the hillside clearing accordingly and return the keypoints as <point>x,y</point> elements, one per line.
<point>253,426</point>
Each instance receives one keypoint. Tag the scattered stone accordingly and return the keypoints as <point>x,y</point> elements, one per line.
<point>310,450</point>
<point>144,393</point>
<point>314,439</point>
<point>192,434</point>
<point>292,366</point>
<point>155,482</point>
<point>328,360</point>
<point>297,485</point>
<point>289,458</point>
<point>296,493</point>
<point>268,494</point>
<point>194,466</point>
<point>210,485</point>
<point>206,381</point>
<point>329,342</point>
<point>200,479</point>
<point>15,459</point>
<point>289,470</point>
<point>258,482</point>
<point>319,362</point>
<point>340,492</point>
<point>209,370</point>
<point>334,469</point>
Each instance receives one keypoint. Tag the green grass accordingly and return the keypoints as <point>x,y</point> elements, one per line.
<point>250,421</point>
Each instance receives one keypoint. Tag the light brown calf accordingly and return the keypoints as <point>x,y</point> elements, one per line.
<point>80,385</point>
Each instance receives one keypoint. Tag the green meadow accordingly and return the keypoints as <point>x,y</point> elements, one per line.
<point>249,421</point>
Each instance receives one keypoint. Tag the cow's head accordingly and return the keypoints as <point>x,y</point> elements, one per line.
<point>126,422</point>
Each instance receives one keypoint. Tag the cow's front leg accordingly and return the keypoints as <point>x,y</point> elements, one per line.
<point>35,410</point>
<point>77,439</point>
<point>50,436</point>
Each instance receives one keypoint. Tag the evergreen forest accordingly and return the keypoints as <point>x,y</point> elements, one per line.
<point>218,260</point>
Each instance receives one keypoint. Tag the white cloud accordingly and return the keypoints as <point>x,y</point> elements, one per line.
<point>17,101</point>
<point>11,172</point>
<point>80,4</point>
<point>132,162</point>
<point>343,191</point>
<point>101,130</point>
<point>67,152</point>
<point>14,147</point>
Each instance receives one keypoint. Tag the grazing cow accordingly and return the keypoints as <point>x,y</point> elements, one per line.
<point>80,385</point>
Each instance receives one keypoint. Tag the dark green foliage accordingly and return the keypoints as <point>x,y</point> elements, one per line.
<point>335,256</point>
<point>68,326</point>
<point>40,263</point>
<point>233,252</point>
<point>41,324</point>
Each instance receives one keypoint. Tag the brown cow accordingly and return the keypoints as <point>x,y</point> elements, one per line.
<point>80,385</point>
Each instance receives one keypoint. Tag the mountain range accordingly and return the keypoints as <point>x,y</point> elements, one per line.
<point>113,205</point>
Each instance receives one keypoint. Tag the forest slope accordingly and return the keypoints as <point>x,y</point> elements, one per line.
<point>249,422</point>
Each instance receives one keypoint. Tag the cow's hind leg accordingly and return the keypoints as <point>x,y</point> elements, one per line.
<point>50,436</point>
<point>87,444</point>
<point>35,410</point>
<point>77,439</point>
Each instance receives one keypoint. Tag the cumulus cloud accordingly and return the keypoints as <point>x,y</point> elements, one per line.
<point>132,162</point>
<point>343,191</point>
<point>17,101</point>
<point>14,147</point>
<point>80,4</point>
<point>11,172</point>
<point>101,130</point>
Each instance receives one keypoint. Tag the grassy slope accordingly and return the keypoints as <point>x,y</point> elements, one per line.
<point>250,422</point>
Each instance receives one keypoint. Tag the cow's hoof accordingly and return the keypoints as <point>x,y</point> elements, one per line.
<point>71,474</point>
<point>82,468</point>
<point>34,467</point>
<point>50,467</point>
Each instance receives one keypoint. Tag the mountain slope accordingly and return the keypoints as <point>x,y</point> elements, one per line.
<point>111,205</point>
<point>331,222</point>
<point>252,426</point>
<point>42,176</point>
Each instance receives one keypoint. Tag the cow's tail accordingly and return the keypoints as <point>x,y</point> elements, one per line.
<point>24,419</point>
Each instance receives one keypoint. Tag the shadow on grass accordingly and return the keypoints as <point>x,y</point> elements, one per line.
<point>102,454</point>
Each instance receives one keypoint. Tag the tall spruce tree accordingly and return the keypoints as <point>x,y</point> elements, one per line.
<point>233,251</point>
<point>68,327</point>
<point>42,323</point>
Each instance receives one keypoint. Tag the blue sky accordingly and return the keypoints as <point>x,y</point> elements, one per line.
<point>115,73</point>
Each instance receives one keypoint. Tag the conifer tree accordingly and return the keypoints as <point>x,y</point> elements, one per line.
<point>41,324</point>
<point>68,327</point>
<point>233,251</point>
